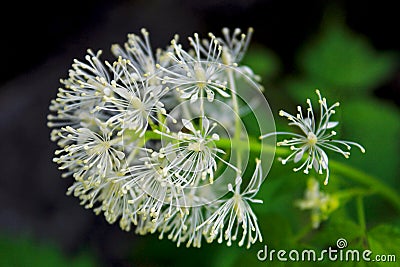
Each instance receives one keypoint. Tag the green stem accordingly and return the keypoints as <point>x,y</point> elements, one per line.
<point>152,135</point>
<point>255,146</point>
<point>362,221</point>
<point>238,129</point>
<point>354,192</point>
<point>201,109</point>
<point>367,180</point>
<point>373,184</point>
<point>361,214</point>
<point>361,177</point>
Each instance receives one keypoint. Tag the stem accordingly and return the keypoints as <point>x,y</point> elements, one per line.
<point>201,108</point>
<point>354,192</point>
<point>374,184</point>
<point>362,221</point>
<point>237,117</point>
<point>361,214</point>
<point>369,181</point>
<point>255,146</point>
<point>151,135</point>
<point>133,154</point>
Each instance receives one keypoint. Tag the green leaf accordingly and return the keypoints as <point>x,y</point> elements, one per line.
<point>338,226</point>
<point>301,88</point>
<point>344,60</point>
<point>384,240</point>
<point>279,192</point>
<point>375,125</point>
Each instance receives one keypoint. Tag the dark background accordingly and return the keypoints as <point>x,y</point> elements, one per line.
<point>39,41</point>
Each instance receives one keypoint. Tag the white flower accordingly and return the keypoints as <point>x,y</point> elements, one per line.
<point>134,104</point>
<point>193,75</point>
<point>184,228</point>
<point>139,52</point>
<point>192,156</point>
<point>87,84</point>
<point>85,89</point>
<point>235,213</point>
<point>159,191</point>
<point>235,45</point>
<point>116,126</point>
<point>316,136</point>
<point>91,156</point>
<point>107,197</point>
<point>320,203</point>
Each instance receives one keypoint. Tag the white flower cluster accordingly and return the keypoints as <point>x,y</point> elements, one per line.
<point>147,140</point>
<point>139,164</point>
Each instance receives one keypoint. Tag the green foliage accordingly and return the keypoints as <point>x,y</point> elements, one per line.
<point>25,252</point>
<point>346,68</point>
<point>376,125</point>
<point>154,252</point>
<point>263,62</point>
<point>384,240</point>
<point>345,60</point>
<point>341,63</point>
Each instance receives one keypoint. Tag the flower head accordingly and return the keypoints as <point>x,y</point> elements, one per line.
<point>112,122</point>
<point>235,213</point>
<point>91,156</point>
<point>191,155</point>
<point>139,52</point>
<point>316,136</point>
<point>85,88</point>
<point>184,227</point>
<point>195,75</point>
<point>320,203</point>
<point>234,45</point>
<point>134,103</point>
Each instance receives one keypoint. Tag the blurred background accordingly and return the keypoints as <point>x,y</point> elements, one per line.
<point>348,49</point>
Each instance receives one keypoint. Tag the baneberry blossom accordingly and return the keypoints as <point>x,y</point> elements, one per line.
<point>137,162</point>
<point>316,136</point>
<point>156,142</point>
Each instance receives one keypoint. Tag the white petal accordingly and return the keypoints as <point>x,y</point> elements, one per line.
<point>230,187</point>
<point>324,159</point>
<point>193,98</point>
<point>188,125</point>
<point>308,121</point>
<point>120,154</point>
<point>246,70</point>
<point>185,95</point>
<point>222,92</point>
<point>298,156</point>
<point>316,164</point>
<point>331,124</point>
<point>206,124</point>
<point>122,92</point>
